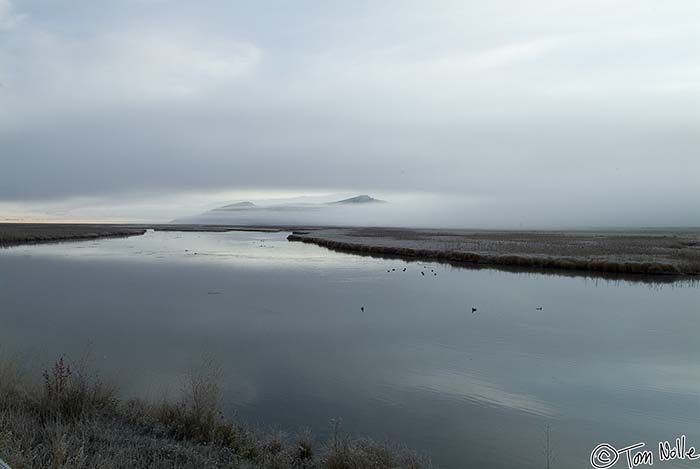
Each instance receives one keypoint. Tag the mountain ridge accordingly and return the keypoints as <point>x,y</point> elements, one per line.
<point>358,199</point>
<point>237,205</point>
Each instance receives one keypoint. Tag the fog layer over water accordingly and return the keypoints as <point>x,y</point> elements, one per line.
<point>401,211</point>
<point>602,361</point>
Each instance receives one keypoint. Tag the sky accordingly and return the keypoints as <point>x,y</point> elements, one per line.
<point>506,113</point>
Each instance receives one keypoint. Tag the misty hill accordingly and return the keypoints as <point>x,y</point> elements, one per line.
<point>237,206</point>
<point>293,212</point>
<point>360,199</point>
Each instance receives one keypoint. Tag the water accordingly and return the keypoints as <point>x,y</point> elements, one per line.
<point>603,361</point>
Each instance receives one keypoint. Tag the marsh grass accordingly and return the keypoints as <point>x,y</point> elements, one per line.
<point>13,234</point>
<point>611,252</point>
<point>72,418</point>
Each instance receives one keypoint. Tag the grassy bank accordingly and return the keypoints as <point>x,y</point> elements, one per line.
<point>70,417</point>
<point>669,253</point>
<point>13,234</point>
<point>665,254</point>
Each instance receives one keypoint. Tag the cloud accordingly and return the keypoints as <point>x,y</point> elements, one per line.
<point>8,19</point>
<point>504,102</point>
<point>144,65</point>
<point>134,66</point>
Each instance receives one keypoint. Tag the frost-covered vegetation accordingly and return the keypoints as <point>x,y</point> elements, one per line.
<point>70,417</point>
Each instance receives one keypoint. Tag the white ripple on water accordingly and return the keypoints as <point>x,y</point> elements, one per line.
<point>471,388</point>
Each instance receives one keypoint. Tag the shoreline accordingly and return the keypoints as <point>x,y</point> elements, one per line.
<point>69,415</point>
<point>18,234</point>
<point>525,269</point>
<point>663,255</point>
<point>667,255</point>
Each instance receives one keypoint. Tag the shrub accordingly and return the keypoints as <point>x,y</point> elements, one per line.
<point>70,395</point>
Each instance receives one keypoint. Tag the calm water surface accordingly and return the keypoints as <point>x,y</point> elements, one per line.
<point>602,361</point>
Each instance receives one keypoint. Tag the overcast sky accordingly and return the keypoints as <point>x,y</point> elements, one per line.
<point>565,113</point>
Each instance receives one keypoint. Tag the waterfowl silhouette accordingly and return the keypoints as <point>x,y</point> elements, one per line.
<point>539,308</point>
<point>362,308</point>
<point>473,309</point>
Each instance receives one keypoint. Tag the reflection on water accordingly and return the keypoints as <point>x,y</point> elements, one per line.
<point>466,386</point>
<point>601,361</point>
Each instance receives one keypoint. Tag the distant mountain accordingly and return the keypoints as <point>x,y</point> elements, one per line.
<point>237,206</point>
<point>360,199</point>
<point>297,211</point>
